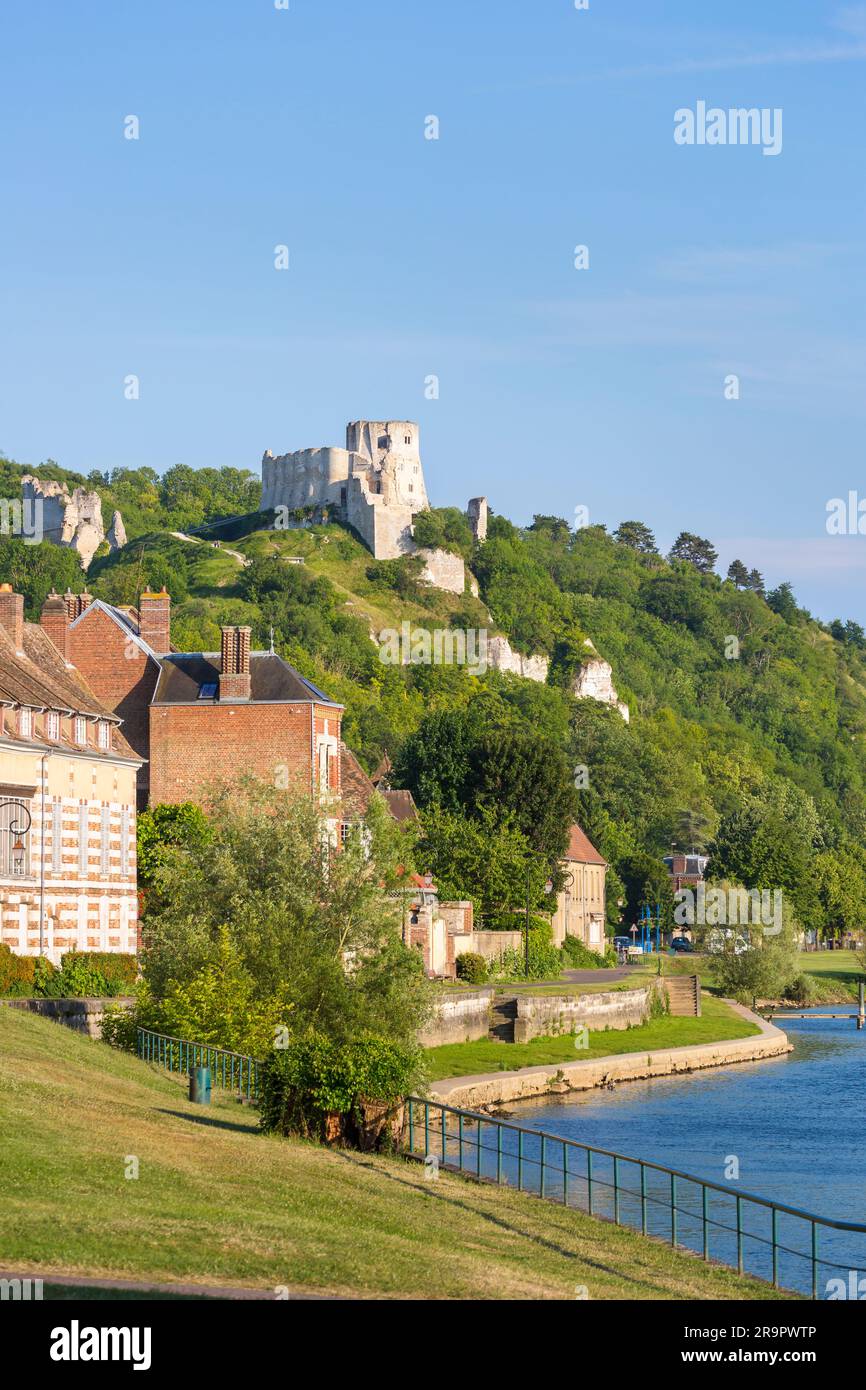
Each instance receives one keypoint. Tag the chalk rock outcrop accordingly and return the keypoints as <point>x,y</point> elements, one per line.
<point>444,570</point>
<point>72,520</point>
<point>594,681</point>
<point>502,657</point>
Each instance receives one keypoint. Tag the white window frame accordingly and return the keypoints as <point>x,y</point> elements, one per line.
<point>80,730</point>
<point>104,738</point>
<point>9,813</point>
<point>52,725</point>
<point>25,723</point>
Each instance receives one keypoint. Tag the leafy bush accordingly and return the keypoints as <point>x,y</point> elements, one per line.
<point>120,1028</point>
<point>577,956</point>
<point>472,968</point>
<point>802,990</point>
<point>306,1086</point>
<point>83,974</point>
<point>17,974</point>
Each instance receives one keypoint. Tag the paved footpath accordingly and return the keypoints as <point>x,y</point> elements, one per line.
<point>131,1286</point>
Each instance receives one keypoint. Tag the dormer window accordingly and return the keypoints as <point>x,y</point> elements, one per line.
<point>25,723</point>
<point>80,731</point>
<point>52,726</point>
<point>103,735</point>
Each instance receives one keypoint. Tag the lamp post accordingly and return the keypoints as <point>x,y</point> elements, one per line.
<point>18,851</point>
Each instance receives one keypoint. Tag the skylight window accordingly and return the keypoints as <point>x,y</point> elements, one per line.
<point>208,691</point>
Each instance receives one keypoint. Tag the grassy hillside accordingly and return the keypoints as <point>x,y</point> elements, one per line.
<point>216,1203</point>
<point>748,717</point>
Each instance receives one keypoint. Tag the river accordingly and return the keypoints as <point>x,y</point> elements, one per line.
<point>792,1129</point>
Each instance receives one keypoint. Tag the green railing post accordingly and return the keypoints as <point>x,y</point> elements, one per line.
<point>775,1248</point>
<point>543,1155</point>
<point>705,1215</point>
<point>426,1128</point>
<point>444,1119</point>
<point>478,1164</point>
<point>412,1130</point>
<point>589,1178</point>
<point>673,1209</point>
<point>814,1259</point>
<point>520,1160</point>
<point>460,1139</point>
<point>564,1174</point>
<point>616,1190</point>
<point>499,1153</point>
<point>643,1199</point>
<point>739,1236</point>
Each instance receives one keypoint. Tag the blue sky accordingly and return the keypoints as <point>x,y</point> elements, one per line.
<point>409,257</point>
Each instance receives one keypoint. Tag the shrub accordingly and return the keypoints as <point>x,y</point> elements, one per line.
<point>472,968</point>
<point>803,990</point>
<point>578,956</point>
<point>335,1092</point>
<point>120,1028</point>
<point>17,974</point>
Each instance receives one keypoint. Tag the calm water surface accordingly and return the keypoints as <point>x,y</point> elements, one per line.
<point>797,1126</point>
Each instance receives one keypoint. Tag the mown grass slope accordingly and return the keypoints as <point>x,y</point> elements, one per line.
<point>216,1203</point>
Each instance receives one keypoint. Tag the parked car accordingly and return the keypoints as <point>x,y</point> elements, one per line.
<point>681,943</point>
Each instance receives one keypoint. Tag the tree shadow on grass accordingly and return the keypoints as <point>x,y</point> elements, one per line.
<point>210,1121</point>
<point>359,1161</point>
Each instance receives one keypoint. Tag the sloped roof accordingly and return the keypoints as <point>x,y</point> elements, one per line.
<point>126,618</point>
<point>272,680</point>
<point>357,787</point>
<point>40,678</point>
<point>401,804</point>
<point>581,850</point>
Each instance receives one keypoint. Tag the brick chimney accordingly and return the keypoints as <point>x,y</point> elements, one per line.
<point>55,619</point>
<point>12,615</point>
<point>154,621</point>
<point>235,664</point>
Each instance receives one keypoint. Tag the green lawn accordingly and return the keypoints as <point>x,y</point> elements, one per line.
<point>717,1022</point>
<point>217,1203</point>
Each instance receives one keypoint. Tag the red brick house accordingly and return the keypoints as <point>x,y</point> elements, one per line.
<point>202,717</point>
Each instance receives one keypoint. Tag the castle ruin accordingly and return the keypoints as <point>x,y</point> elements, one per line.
<point>375,484</point>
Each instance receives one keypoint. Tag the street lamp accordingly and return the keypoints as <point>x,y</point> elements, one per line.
<point>18,850</point>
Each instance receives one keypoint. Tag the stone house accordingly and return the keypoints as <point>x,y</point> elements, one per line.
<point>67,803</point>
<point>580,905</point>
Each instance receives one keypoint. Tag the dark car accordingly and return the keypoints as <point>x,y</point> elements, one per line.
<point>681,943</point>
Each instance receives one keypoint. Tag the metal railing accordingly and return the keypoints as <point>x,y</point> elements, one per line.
<point>230,1071</point>
<point>751,1234</point>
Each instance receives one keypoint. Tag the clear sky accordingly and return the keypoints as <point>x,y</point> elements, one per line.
<point>454,257</point>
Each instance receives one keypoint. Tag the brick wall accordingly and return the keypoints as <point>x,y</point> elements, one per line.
<point>120,675</point>
<point>193,746</point>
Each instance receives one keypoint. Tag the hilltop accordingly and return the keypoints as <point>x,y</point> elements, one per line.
<point>748,716</point>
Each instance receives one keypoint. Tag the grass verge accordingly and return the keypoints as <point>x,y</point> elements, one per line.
<point>717,1023</point>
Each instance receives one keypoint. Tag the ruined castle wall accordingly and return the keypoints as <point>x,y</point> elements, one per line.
<point>306,478</point>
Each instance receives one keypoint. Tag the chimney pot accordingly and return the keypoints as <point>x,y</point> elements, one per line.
<point>154,621</point>
<point>235,681</point>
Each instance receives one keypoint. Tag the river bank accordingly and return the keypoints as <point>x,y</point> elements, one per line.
<point>489,1090</point>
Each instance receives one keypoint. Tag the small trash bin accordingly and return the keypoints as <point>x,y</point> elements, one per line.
<point>199,1085</point>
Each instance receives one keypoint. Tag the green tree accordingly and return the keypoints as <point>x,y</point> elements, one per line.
<point>695,550</point>
<point>738,574</point>
<point>636,536</point>
<point>481,858</point>
<point>317,929</point>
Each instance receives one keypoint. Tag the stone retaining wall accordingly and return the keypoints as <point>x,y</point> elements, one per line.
<point>461,1016</point>
<point>546,1015</point>
<point>83,1015</point>
<point>502,1088</point>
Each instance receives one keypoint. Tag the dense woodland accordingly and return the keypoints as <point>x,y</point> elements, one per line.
<point>753,749</point>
